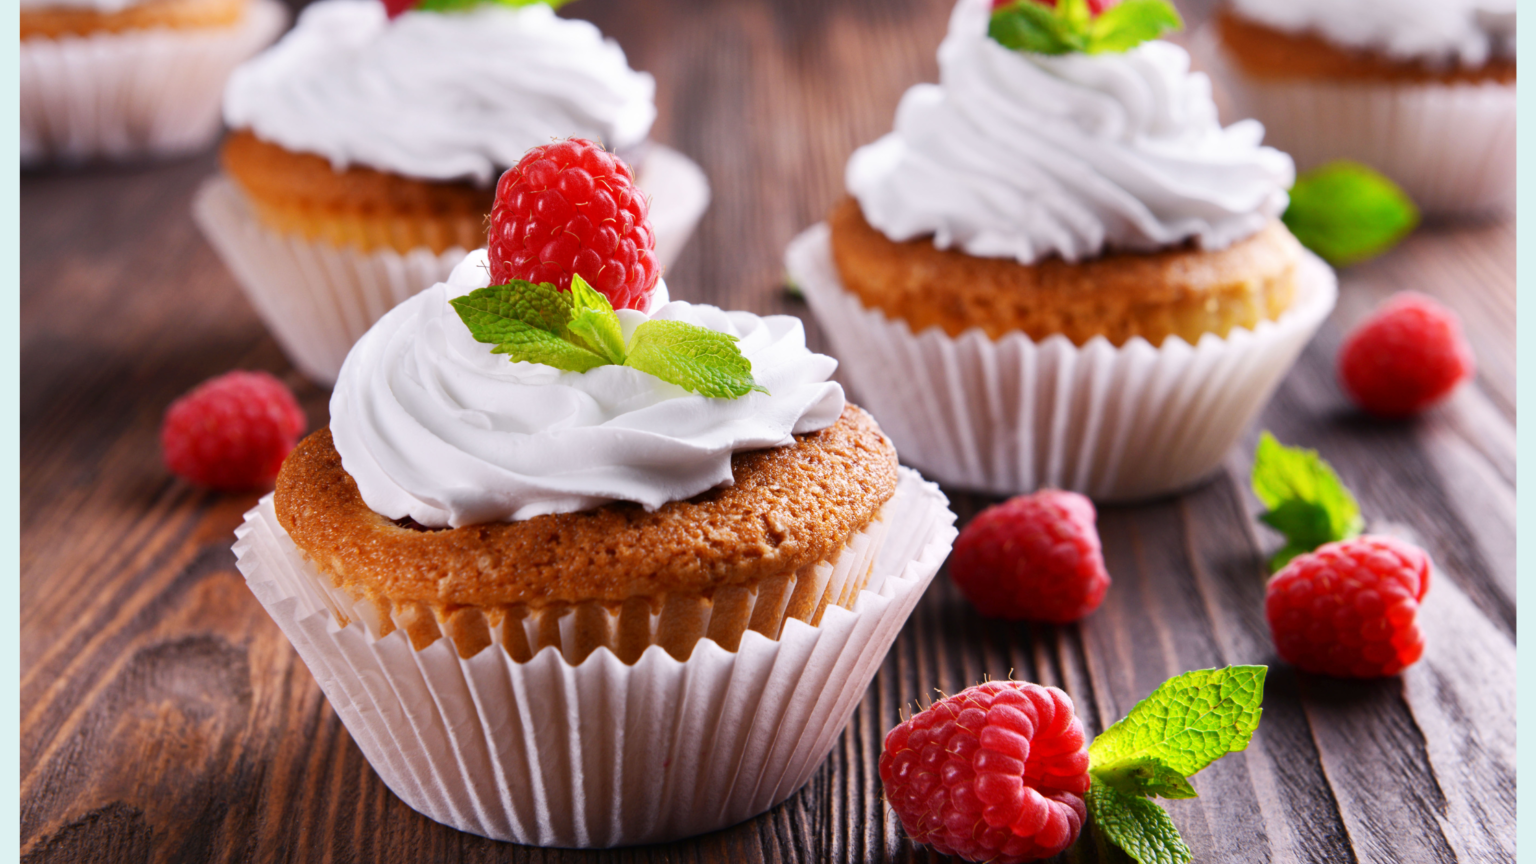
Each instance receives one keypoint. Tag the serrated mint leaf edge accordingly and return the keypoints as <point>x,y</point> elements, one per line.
<point>1110,811</point>
<point>1101,753</point>
<point>650,354</point>
<point>1274,481</point>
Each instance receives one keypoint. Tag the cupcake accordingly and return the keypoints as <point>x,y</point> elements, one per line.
<point>123,79</point>
<point>363,150</point>
<point>1060,270</point>
<point>1421,90</point>
<point>591,608</point>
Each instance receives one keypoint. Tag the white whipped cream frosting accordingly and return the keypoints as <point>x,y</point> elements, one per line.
<point>434,426</point>
<point>1027,156</point>
<point>439,95</point>
<point>1465,32</point>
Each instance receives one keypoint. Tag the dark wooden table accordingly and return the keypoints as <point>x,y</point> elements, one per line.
<point>165,718</point>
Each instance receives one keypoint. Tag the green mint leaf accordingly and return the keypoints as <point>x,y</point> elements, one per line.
<point>529,344</point>
<point>1075,14</point>
<point>1306,500</point>
<point>492,313</point>
<point>1348,213</point>
<point>1188,722</point>
<point>595,325</point>
<point>1124,26</point>
<point>1025,25</point>
<point>695,358</point>
<point>1145,775</point>
<point>1138,825</point>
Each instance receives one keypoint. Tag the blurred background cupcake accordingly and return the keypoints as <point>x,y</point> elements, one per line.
<point>1421,90</point>
<point>1059,269</point>
<point>122,79</point>
<point>365,146</point>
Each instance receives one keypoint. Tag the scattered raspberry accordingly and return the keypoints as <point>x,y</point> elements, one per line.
<point>1032,558</point>
<point>232,432</point>
<point>994,773</point>
<point>572,207</point>
<point>1406,357</point>
<point>1349,608</point>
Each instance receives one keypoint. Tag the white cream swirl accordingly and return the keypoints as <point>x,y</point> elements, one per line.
<point>439,95</point>
<point>434,426</point>
<point>1466,32</point>
<point>1025,156</point>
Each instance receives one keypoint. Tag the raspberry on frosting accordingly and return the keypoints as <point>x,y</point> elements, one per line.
<point>994,773</point>
<point>571,207</point>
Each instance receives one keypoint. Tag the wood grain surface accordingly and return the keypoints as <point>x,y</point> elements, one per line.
<point>165,718</point>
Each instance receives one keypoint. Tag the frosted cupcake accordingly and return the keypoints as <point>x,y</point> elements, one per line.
<point>1421,90</point>
<point>120,79</point>
<point>574,576</point>
<point>363,152</point>
<point>1059,269</point>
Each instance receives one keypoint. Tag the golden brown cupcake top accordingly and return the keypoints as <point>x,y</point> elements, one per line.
<point>52,22</point>
<point>1265,52</point>
<point>1183,291</point>
<point>790,507</point>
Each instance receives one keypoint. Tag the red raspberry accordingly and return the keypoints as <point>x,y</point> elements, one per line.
<point>232,432</point>
<point>993,773</point>
<point>1406,357</point>
<point>1349,608</point>
<point>572,207</point>
<point>395,8</point>
<point>1032,558</point>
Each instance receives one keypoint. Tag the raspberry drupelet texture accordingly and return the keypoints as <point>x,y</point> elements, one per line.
<point>232,432</point>
<point>1032,558</point>
<point>994,773</point>
<point>1407,356</point>
<point>572,207</point>
<point>1350,609</point>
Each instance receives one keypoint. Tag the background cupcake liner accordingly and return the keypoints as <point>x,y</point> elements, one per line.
<point>318,299</point>
<point>1450,146</point>
<point>151,92</point>
<point>1014,415</point>
<point>601,753</point>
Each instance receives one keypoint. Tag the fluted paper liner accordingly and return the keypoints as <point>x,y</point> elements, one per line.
<point>318,299</point>
<point>1013,415</point>
<point>600,753</point>
<point>1451,146</point>
<point>149,92</point>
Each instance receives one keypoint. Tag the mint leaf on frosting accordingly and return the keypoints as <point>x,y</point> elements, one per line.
<point>578,331</point>
<point>1348,213</point>
<point>1065,26</point>
<point>1307,502</point>
<point>1124,26</point>
<point>692,357</point>
<point>462,5</point>
<point>1188,722</point>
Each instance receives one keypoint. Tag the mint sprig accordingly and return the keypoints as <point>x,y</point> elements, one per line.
<point>578,330</point>
<point>461,5</point>
<point>1348,213</point>
<point>1307,502</point>
<point>1069,26</point>
<point>1188,722</point>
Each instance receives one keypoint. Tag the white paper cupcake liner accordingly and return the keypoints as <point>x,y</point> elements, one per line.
<point>1450,146</point>
<point>318,299</point>
<point>600,754</point>
<point>151,92</point>
<point>1013,415</point>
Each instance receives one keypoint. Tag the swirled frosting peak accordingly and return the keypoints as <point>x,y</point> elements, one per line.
<point>434,426</point>
<point>1027,155</point>
<point>439,95</point>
